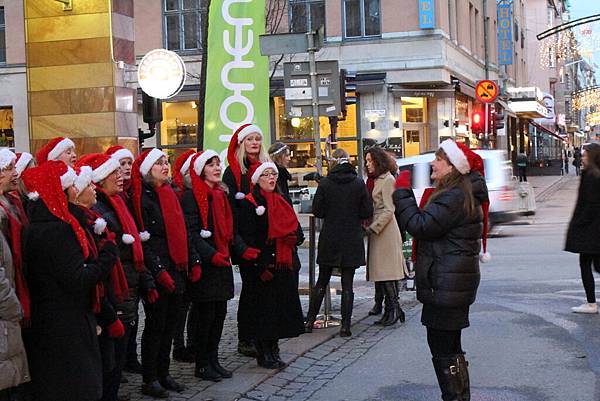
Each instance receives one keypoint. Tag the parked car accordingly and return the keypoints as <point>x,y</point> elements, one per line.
<point>503,190</point>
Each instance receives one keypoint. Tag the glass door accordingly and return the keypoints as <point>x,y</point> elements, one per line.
<point>412,141</point>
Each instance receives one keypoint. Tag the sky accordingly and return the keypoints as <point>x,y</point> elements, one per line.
<point>585,8</point>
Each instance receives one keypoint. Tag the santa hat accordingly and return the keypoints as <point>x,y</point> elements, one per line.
<point>53,149</point>
<point>102,165</point>
<point>119,152</point>
<point>181,167</point>
<point>84,177</point>
<point>200,188</point>
<point>261,169</point>
<point>6,157</point>
<point>465,161</point>
<point>236,139</point>
<point>141,167</point>
<point>49,182</point>
<point>23,160</point>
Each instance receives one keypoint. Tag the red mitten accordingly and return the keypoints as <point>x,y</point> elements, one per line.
<point>116,329</point>
<point>165,279</point>
<point>152,295</point>
<point>195,273</point>
<point>221,260</point>
<point>403,180</point>
<point>250,253</point>
<point>266,275</point>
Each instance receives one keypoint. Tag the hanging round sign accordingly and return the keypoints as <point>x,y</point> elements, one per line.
<point>161,73</point>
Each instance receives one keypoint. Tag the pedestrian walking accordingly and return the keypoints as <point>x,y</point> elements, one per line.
<point>566,154</point>
<point>522,166</point>
<point>209,221</point>
<point>272,310</point>
<point>448,226</point>
<point>343,203</point>
<point>577,160</point>
<point>58,148</point>
<point>63,275</point>
<point>244,154</point>
<point>385,264</point>
<point>583,235</point>
<point>164,239</point>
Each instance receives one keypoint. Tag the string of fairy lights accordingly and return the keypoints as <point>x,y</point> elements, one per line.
<point>593,118</point>
<point>586,98</point>
<point>560,47</point>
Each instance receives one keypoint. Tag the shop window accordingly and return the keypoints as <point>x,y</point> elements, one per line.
<point>7,134</point>
<point>361,18</point>
<point>413,109</point>
<point>182,24</point>
<point>2,37</point>
<point>179,125</point>
<point>306,15</point>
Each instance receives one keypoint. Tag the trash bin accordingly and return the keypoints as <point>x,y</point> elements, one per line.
<point>526,199</point>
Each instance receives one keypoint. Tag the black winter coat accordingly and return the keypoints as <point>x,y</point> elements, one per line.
<point>583,235</point>
<point>216,283</point>
<point>342,201</point>
<point>64,352</point>
<point>283,182</point>
<point>447,266</point>
<point>136,281</point>
<point>229,180</point>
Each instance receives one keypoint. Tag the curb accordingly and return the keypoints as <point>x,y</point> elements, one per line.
<point>549,190</point>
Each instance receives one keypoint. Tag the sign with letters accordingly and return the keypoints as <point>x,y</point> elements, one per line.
<point>505,39</point>
<point>426,14</point>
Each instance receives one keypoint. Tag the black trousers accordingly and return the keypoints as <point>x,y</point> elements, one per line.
<point>208,330</point>
<point>187,314</point>
<point>523,174</point>
<point>444,343</point>
<point>325,272</point>
<point>112,380</point>
<point>585,264</point>
<point>160,324</point>
<point>132,356</point>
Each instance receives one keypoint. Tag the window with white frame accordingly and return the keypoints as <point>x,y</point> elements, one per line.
<point>182,30</point>
<point>361,18</point>
<point>306,15</point>
<point>2,37</point>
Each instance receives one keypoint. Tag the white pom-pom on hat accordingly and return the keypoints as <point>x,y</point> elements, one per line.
<point>128,239</point>
<point>260,210</point>
<point>99,225</point>
<point>33,195</point>
<point>144,236</point>
<point>205,233</point>
<point>485,257</point>
<point>239,196</point>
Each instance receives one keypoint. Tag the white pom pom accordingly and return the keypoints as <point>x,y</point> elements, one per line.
<point>485,257</point>
<point>144,236</point>
<point>260,210</point>
<point>99,225</point>
<point>205,233</point>
<point>128,239</point>
<point>240,196</point>
<point>33,196</point>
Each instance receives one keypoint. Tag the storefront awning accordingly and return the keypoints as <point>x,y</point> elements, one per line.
<point>528,109</point>
<point>547,131</point>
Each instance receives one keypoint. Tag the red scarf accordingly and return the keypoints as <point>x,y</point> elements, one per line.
<point>129,227</point>
<point>370,185</point>
<point>426,195</point>
<point>99,288</point>
<point>16,228</point>
<point>282,223</point>
<point>252,166</point>
<point>174,226</point>
<point>222,220</point>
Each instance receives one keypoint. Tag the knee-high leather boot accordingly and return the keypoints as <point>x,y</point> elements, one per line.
<point>316,299</point>
<point>392,304</point>
<point>378,307</point>
<point>453,377</point>
<point>347,304</point>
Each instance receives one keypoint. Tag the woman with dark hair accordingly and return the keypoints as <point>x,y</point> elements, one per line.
<point>272,309</point>
<point>385,263</point>
<point>583,235</point>
<point>448,228</point>
<point>342,202</point>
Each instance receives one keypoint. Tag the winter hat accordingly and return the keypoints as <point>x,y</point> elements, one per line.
<point>465,161</point>
<point>261,169</point>
<point>23,160</point>
<point>236,139</point>
<point>200,189</point>
<point>84,177</point>
<point>102,165</point>
<point>119,152</point>
<point>181,167</point>
<point>53,149</point>
<point>49,182</point>
<point>6,156</point>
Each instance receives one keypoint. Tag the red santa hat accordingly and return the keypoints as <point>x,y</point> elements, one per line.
<point>53,149</point>
<point>181,168</point>
<point>23,160</point>
<point>261,169</point>
<point>49,181</point>
<point>6,157</point>
<point>236,139</point>
<point>141,167</point>
<point>102,165</point>
<point>465,161</point>
<point>200,189</point>
<point>84,177</point>
<point>119,152</point>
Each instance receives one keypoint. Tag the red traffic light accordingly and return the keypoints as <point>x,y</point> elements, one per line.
<point>476,118</point>
<point>477,122</point>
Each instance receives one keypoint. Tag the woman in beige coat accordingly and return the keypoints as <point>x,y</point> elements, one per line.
<point>385,262</point>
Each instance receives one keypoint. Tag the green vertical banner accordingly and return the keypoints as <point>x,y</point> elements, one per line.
<point>237,76</point>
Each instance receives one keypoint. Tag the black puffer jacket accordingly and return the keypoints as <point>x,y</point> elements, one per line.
<point>447,266</point>
<point>583,235</point>
<point>342,201</point>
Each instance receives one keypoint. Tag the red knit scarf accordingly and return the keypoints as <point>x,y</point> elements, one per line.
<point>222,220</point>
<point>252,166</point>
<point>99,288</point>
<point>129,227</point>
<point>282,223</point>
<point>174,226</point>
<point>16,227</point>
<point>370,185</point>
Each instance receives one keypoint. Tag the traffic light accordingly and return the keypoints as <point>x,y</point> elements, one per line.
<point>499,120</point>
<point>477,122</point>
<point>347,89</point>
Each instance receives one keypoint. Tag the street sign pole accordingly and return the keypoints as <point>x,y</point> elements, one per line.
<point>315,99</point>
<point>486,126</point>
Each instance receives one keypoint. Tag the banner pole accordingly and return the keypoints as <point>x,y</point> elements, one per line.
<point>203,65</point>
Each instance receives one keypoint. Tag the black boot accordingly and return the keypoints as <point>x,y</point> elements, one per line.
<point>347,303</point>
<point>264,356</point>
<point>453,377</point>
<point>170,384</point>
<point>213,361</point>
<point>386,313</point>
<point>378,307</point>
<point>246,348</point>
<point>316,299</point>
<point>155,390</point>
<point>205,371</point>
<point>392,304</point>
<point>275,354</point>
